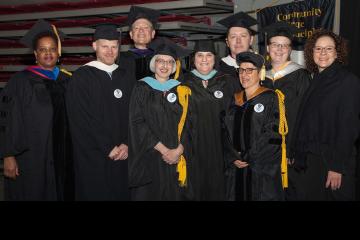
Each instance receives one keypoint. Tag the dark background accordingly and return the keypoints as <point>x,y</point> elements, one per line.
<point>350,29</point>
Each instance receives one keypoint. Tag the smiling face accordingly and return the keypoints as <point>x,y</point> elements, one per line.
<point>238,40</point>
<point>164,65</point>
<point>46,53</point>
<point>142,32</point>
<point>279,49</point>
<point>249,76</point>
<point>324,52</point>
<point>204,62</point>
<point>106,50</point>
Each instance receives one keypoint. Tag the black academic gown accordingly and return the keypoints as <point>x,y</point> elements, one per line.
<point>224,68</point>
<point>327,130</point>
<point>34,129</point>
<point>134,63</point>
<point>293,86</point>
<point>153,119</point>
<point>256,137</point>
<point>98,115</point>
<point>211,147</point>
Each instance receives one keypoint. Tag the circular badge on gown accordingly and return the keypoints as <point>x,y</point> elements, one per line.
<point>171,97</point>
<point>118,93</point>
<point>218,94</point>
<point>259,108</point>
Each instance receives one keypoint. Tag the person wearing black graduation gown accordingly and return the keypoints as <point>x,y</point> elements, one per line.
<point>154,143</point>
<point>328,126</point>
<point>142,23</point>
<point>98,107</point>
<point>256,135</point>
<point>210,143</point>
<point>239,38</point>
<point>287,76</point>
<point>34,135</point>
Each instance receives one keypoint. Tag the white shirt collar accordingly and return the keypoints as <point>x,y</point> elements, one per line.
<point>102,66</point>
<point>230,61</point>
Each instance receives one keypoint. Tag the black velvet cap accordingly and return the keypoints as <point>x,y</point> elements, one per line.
<point>39,28</point>
<point>204,46</point>
<point>280,29</point>
<point>165,46</point>
<point>239,19</point>
<point>142,12</point>
<point>107,31</point>
<point>251,57</point>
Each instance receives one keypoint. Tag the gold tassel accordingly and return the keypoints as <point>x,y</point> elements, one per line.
<point>66,72</point>
<point>58,39</point>
<point>183,93</point>
<point>262,73</point>
<point>283,130</point>
<point>267,58</point>
<point>178,67</point>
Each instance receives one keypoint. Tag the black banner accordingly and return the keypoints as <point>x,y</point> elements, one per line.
<point>307,16</point>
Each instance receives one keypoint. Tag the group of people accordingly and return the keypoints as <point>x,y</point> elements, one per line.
<point>135,126</point>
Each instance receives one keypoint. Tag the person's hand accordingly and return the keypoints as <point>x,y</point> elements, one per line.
<point>172,156</point>
<point>240,164</point>
<point>333,180</point>
<point>161,148</point>
<point>114,152</point>
<point>122,152</point>
<point>11,169</point>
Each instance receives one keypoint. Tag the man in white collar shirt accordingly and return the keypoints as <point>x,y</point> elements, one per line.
<point>239,38</point>
<point>98,108</point>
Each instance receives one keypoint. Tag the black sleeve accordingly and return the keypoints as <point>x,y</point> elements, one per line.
<point>85,120</point>
<point>342,138</point>
<point>141,138</point>
<point>230,154</point>
<point>12,127</point>
<point>266,150</point>
<point>302,85</point>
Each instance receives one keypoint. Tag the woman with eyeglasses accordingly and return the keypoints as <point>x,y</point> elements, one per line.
<point>256,135</point>
<point>158,113</point>
<point>288,77</point>
<point>328,125</point>
<point>211,94</point>
<point>34,136</point>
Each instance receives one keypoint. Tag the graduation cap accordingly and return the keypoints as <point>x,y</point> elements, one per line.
<point>254,58</point>
<point>42,28</point>
<point>107,31</point>
<point>280,29</point>
<point>239,19</point>
<point>204,46</point>
<point>164,46</point>
<point>142,12</point>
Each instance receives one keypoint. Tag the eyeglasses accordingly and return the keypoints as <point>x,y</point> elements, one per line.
<point>329,49</point>
<point>46,50</point>
<point>246,70</point>
<point>279,45</point>
<point>163,62</point>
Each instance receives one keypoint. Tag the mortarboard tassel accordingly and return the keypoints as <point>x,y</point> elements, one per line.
<point>178,67</point>
<point>262,73</point>
<point>58,39</point>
